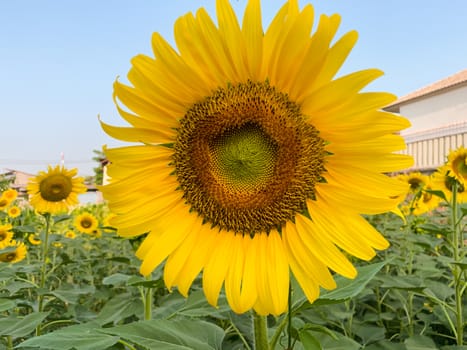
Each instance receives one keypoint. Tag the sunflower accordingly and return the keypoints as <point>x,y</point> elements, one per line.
<point>70,234</point>
<point>457,163</point>
<point>443,181</point>
<point>56,190</point>
<point>34,240</point>
<point>416,181</point>
<point>16,255</point>
<point>10,194</point>
<point>6,235</point>
<point>14,211</point>
<point>86,223</point>
<point>426,201</point>
<point>96,233</point>
<point>253,160</point>
<point>57,244</point>
<point>4,202</point>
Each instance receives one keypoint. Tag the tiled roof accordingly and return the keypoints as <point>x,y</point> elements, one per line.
<point>451,81</point>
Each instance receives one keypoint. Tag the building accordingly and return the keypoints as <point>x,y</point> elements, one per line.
<point>438,113</point>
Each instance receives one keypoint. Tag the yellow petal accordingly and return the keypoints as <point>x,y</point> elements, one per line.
<point>277,273</point>
<point>317,273</point>
<point>313,237</point>
<point>230,32</point>
<point>167,241</point>
<point>217,266</point>
<point>252,31</point>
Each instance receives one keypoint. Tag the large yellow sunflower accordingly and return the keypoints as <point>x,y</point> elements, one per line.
<point>56,190</point>
<point>253,160</point>
<point>86,223</point>
<point>457,163</point>
<point>16,255</point>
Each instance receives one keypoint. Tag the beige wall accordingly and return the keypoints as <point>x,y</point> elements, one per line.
<point>436,110</point>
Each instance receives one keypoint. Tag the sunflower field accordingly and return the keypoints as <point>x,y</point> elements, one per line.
<point>259,202</point>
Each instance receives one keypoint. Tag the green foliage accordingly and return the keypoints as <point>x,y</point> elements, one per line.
<point>98,170</point>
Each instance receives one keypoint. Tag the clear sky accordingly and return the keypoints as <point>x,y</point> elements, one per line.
<point>59,59</point>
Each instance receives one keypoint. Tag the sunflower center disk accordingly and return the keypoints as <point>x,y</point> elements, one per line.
<point>244,158</point>
<point>247,159</point>
<point>55,188</point>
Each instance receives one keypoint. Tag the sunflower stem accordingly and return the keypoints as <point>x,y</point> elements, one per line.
<point>457,270</point>
<point>260,330</point>
<point>43,271</point>
<point>148,302</point>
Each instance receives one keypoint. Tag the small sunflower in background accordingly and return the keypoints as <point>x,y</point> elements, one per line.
<point>10,194</point>
<point>70,234</point>
<point>57,244</point>
<point>443,181</point>
<point>55,191</point>
<point>457,165</point>
<point>426,201</point>
<point>86,223</point>
<point>416,180</point>
<point>6,235</point>
<point>16,251</point>
<point>14,211</point>
<point>253,161</point>
<point>96,233</point>
<point>34,239</point>
<point>4,203</point>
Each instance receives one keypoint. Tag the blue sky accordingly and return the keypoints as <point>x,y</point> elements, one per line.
<point>59,59</point>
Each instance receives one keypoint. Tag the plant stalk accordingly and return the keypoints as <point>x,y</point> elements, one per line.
<point>43,271</point>
<point>260,330</point>
<point>148,302</point>
<point>457,270</point>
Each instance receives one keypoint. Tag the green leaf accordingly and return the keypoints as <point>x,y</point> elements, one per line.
<point>60,218</point>
<point>77,337</point>
<point>463,209</point>
<point>308,341</point>
<point>116,279</point>
<point>14,287</point>
<point>437,193</point>
<point>120,307</point>
<point>142,282</point>
<point>120,259</point>
<point>24,229</point>
<point>419,342</point>
<point>342,343</point>
<point>454,347</point>
<point>6,272</point>
<point>347,288</point>
<point>190,334</point>
<point>6,304</point>
<point>72,296</point>
<point>197,306</point>
<point>413,283</point>
<point>386,345</point>
<point>368,333</point>
<point>21,327</point>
